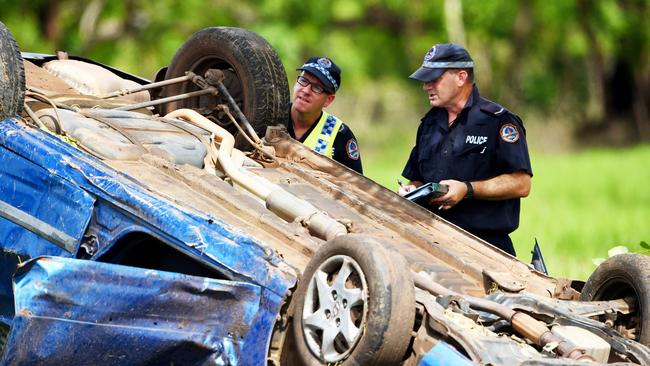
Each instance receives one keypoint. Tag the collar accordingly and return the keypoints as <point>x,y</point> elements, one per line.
<point>292,133</point>
<point>473,99</point>
<point>439,115</point>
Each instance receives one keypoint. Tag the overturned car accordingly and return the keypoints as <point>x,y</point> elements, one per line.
<point>148,223</point>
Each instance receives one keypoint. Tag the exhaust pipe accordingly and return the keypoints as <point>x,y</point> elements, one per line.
<point>277,200</point>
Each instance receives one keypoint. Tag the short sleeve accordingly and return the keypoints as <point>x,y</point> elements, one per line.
<point>512,147</point>
<point>346,149</point>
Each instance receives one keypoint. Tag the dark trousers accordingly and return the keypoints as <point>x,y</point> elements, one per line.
<point>498,239</point>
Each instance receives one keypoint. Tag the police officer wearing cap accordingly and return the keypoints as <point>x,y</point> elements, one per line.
<point>308,123</point>
<point>475,146</point>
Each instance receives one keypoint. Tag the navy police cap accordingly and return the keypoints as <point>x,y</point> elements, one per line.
<point>325,70</point>
<point>440,58</point>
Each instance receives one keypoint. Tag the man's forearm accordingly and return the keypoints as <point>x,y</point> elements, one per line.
<point>502,187</point>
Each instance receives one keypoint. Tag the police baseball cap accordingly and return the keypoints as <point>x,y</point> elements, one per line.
<point>440,58</point>
<point>325,70</point>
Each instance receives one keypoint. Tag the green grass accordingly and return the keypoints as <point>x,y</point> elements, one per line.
<point>581,204</point>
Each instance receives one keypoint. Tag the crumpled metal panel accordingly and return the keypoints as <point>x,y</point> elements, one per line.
<point>34,201</point>
<point>198,234</point>
<point>88,313</point>
<point>45,197</point>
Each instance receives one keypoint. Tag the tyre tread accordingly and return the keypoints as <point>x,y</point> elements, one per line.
<point>258,61</point>
<point>12,80</point>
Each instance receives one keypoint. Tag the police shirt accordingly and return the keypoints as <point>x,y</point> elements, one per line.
<point>485,141</point>
<point>345,148</point>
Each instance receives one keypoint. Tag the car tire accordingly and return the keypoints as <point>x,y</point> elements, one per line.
<point>624,276</point>
<point>254,74</point>
<point>12,75</point>
<point>379,314</point>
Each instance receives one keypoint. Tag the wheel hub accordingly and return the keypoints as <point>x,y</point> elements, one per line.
<point>334,314</point>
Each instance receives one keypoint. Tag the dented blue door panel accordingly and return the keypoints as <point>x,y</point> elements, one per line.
<point>50,190</point>
<point>133,207</point>
<point>85,312</point>
<point>40,214</point>
<point>33,199</point>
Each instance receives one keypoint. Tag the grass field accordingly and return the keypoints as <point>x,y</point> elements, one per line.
<point>581,204</point>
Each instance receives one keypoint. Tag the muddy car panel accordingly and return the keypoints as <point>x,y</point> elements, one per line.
<point>99,313</point>
<point>109,217</point>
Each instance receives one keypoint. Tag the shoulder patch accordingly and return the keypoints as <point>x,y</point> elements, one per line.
<point>509,133</point>
<point>352,149</point>
<point>492,108</point>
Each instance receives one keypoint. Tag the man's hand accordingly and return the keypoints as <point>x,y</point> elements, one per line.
<point>408,188</point>
<point>457,191</point>
<point>502,187</point>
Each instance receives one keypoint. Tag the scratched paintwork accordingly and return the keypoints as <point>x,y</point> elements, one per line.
<point>88,197</point>
<point>135,316</point>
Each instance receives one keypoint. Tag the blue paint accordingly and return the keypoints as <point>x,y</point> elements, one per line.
<point>236,253</point>
<point>442,354</point>
<point>46,197</point>
<point>83,197</point>
<point>64,313</point>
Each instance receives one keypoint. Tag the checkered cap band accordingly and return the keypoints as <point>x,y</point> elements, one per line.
<point>325,72</point>
<point>448,65</point>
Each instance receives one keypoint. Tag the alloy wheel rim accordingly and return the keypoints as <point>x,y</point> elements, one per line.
<point>334,313</point>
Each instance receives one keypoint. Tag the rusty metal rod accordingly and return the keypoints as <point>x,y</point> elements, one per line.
<point>238,112</point>
<point>524,324</point>
<point>119,93</point>
<point>215,77</point>
<point>130,107</point>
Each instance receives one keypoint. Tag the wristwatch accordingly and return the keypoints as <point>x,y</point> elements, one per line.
<point>470,190</point>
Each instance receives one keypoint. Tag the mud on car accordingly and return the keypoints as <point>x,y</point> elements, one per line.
<point>174,221</point>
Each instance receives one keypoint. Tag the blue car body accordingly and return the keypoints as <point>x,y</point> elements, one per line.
<point>67,232</point>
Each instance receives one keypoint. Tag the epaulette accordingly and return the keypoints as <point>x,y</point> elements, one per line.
<point>492,108</point>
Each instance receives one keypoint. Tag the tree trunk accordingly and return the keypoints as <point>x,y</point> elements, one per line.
<point>520,35</point>
<point>47,17</point>
<point>595,64</point>
<point>454,22</point>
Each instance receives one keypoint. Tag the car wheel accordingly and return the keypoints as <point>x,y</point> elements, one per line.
<point>254,76</point>
<point>355,305</point>
<point>624,276</point>
<point>12,75</point>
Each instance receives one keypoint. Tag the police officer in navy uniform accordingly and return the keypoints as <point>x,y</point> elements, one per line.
<point>475,146</point>
<point>308,123</point>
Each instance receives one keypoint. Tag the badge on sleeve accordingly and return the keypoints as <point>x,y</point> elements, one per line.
<point>509,133</point>
<point>352,149</point>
